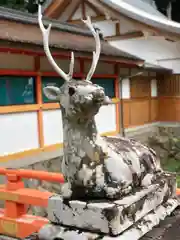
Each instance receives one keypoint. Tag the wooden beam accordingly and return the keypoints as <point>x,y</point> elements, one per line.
<point>52,7</point>
<point>74,10</point>
<point>129,35</point>
<point>93,19</point>
<point>118,29</point>
<point>96,10</point>
<point>58,6</point>
<point>83,9</point>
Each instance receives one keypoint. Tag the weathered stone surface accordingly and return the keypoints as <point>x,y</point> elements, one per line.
<point>110,217</point>
<point>135,232</point>
<point>110,170</point>
<point>95,167</point>
<point>52,165</point>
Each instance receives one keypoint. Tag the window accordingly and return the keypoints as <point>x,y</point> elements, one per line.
<point>107,84</point>
<point>50,81</point>
<point>16,90</point>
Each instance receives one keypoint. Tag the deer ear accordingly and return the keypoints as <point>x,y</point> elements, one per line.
<point>52,93</point>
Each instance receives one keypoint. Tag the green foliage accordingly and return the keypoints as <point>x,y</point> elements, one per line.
<point>178,181</point>
<point>29,5</point>
<point>172,165</point>
<point>163,5</point>
<point>169,145</point>
<point>15,4</point>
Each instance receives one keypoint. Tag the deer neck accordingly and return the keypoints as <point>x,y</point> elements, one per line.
<point>75,134</point>
<point>82,144</point>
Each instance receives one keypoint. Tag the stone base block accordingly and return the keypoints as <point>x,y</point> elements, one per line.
<point>135,232</point>
<point>110,217</point>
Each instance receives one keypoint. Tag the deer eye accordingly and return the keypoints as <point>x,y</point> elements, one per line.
<point>71,91</point>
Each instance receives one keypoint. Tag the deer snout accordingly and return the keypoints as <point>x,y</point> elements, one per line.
<point>99,94</point>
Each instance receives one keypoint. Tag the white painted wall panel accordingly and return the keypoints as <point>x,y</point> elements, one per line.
<point>126,93</point>
<point>154,88</point>
<point>106,119</point>
<point>16,61</point>
<point>108,28</point>
<point>19,132</point>
<point>52,122</point>
<point>127,26</point>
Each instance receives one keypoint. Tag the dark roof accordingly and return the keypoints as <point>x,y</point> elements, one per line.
<point>144,13</point>
<point>156,68</point>
<point>27,18</point>
<point>63,36</point>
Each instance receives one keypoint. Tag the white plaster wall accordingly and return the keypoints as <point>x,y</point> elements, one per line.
<point>127,26</point>
<point>108,28</point>
<point>62,63</point>
<point>19,132</point>
<point>52,123</point>
<point>16,61</point>
<point>126,93</point>
<point>106,119</point>
<point>154,92</point>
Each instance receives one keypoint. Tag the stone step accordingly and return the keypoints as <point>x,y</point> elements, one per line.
<point>135,232</point>
<point>109,217</point>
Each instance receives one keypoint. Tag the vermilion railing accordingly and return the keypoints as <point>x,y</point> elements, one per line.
<point>14,220</point>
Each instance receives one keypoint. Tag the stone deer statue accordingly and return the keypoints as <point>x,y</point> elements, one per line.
<point>95,167</point>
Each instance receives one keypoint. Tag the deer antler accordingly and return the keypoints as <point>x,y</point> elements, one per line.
<point>96,54</point>
<point>45,33</point>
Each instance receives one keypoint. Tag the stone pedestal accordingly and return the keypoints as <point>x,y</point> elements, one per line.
<point>135,214</point>
<point>135,232</point>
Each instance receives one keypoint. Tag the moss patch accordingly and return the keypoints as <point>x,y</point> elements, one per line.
<point>172,165</point>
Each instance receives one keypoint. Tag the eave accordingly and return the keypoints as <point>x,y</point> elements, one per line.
<point>157,26</point>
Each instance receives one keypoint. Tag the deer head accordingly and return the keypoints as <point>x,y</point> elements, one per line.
<point>79,99</point>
